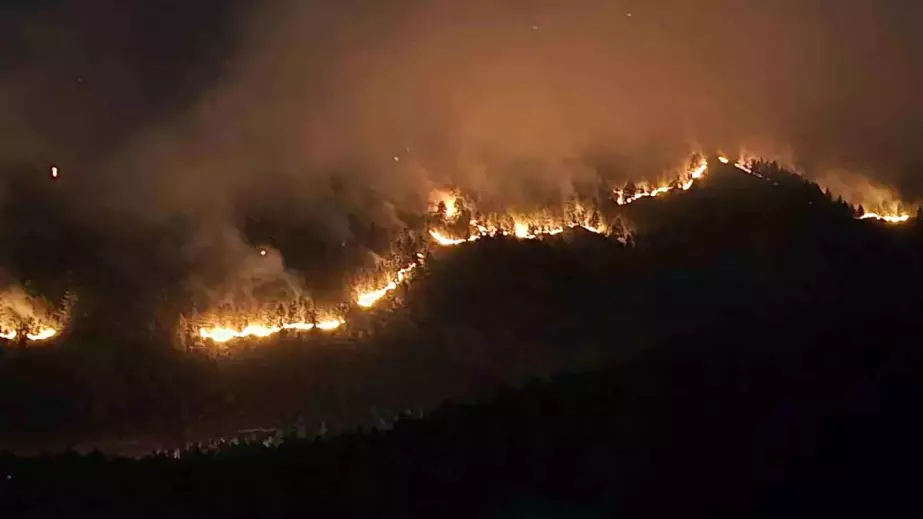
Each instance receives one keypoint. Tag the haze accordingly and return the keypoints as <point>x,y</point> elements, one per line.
<point>203,108</point>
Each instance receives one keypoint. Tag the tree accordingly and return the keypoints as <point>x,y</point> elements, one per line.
<point>441,210</point>
<point>594,220</point>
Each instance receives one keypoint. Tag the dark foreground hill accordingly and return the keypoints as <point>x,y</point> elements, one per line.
<point>735,253</point>
<point>767,418</point>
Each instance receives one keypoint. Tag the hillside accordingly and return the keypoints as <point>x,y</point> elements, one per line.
<point>493,312</point>
<point>764,418</point>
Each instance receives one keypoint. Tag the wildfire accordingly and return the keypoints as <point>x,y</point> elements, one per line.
<point>446,241</point>
<point>522,226</point>
<point>368,299</point>
<point>890,218</point>
<point>261,330</point>
<point>31,318</point>
<point>887,208</point>
<point>40,334</point>
<point>221,334</point>
<point>522,229</point>
<point>623,197</point>
<point>448,199</point>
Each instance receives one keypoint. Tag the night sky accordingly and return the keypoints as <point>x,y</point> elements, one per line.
<point>174,98</point>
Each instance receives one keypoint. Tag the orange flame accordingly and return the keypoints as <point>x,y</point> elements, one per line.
<point>40,334</point>
<point>221,334</point>
<point>890,218</point>
<point>518,226</point>
<point>887,208</point>
<point>368,299</point>
<point>447,198</point>
<point>683,183</point>
<point>30,318</point>
<point>523,226</point>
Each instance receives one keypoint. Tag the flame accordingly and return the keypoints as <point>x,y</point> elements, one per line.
<point>889,218</point>
<point>41,335</point>
<point>521,230</point>
<point>877,201</point>
<point>221,334</point>
<point>54,172</point>
<point>448,199</point>
<point>224,334</point>
<point>887,207</point>
<point>683,183</point>
<point>451,210</point>
<point>30,318</point>
<point>519,226</point>
<point>331,324</point>
<point>368,299</point>
<point>523,226</point>
<point>447,241</point>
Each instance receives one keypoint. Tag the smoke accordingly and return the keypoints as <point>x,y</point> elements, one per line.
<point>19,309</point>
<point>873,196</point>
<point>360,107</point>
<point>397,96</point>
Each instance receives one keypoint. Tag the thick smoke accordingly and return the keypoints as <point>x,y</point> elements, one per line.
<point>495,96</point>
<point>324,104</point>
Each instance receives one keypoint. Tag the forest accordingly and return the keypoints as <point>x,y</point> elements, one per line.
<point>752,349</point>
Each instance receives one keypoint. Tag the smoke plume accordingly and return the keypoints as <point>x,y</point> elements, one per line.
<point>339,107</point>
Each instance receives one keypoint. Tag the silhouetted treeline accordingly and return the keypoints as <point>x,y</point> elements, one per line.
<point>730,250</point>
<point>803,416</point>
